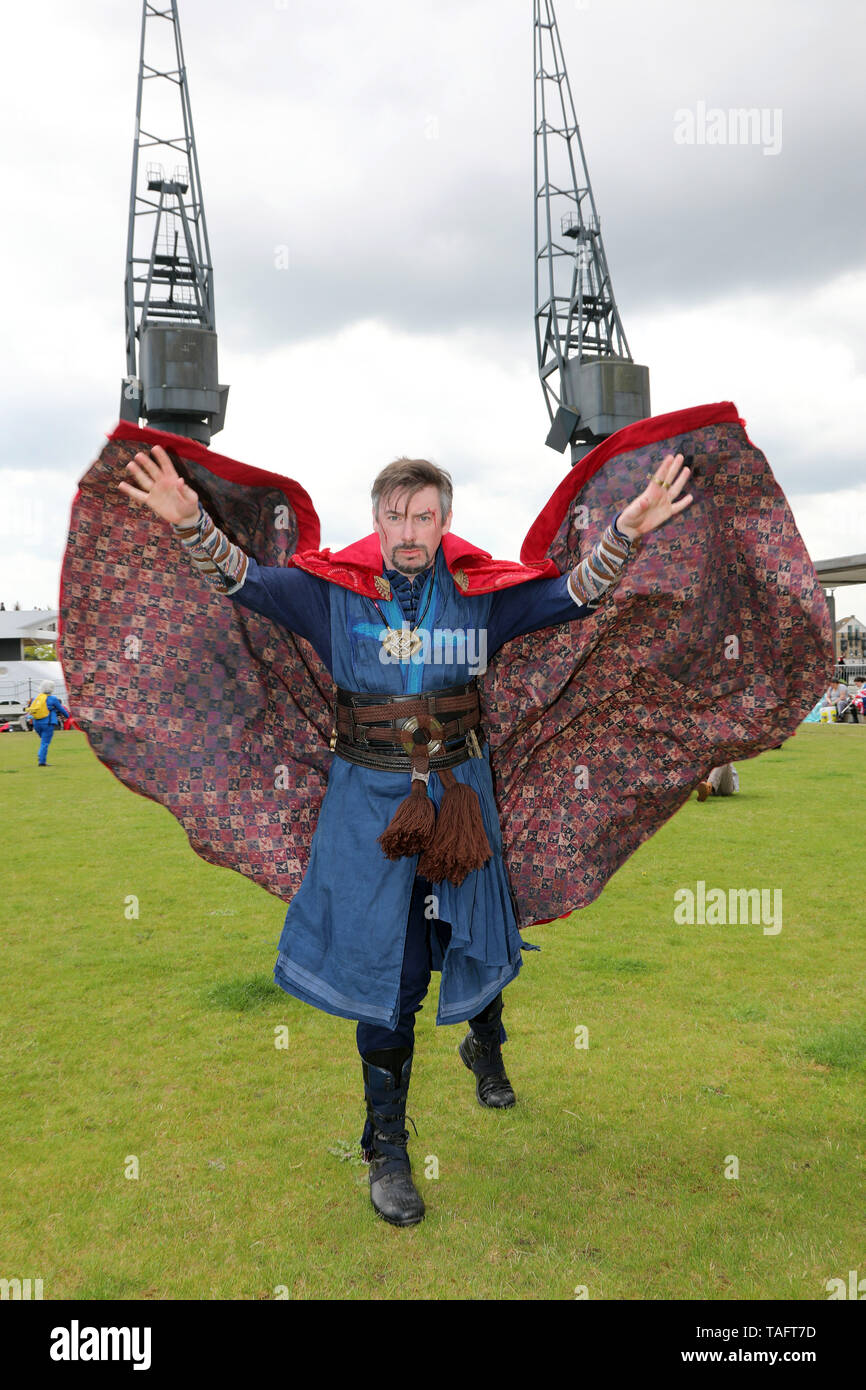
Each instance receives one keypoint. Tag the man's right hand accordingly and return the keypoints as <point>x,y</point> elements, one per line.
<point>161,488</point>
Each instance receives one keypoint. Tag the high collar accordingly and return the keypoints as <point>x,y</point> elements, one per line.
<point>359,566</point>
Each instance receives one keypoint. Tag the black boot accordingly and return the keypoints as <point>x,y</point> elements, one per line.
<point>481,1052</point>
<point>384,1142</point>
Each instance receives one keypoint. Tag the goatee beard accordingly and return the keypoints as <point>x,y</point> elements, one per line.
<point>408,569</point>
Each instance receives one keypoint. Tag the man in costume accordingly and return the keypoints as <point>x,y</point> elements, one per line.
<point>446,865</point>
<point>415,808</point>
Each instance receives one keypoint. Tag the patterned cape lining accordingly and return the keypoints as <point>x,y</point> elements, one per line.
<point>713,646</point>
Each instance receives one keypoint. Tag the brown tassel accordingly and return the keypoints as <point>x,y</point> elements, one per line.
<point>459,842</point>
<point>412,824</point>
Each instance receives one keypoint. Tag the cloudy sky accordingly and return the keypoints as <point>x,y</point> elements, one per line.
<point>367,177</point>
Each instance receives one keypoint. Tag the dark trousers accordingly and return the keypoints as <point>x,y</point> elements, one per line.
<point>426,941</point>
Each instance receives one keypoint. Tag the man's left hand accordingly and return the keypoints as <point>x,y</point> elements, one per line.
<point>658,502</point>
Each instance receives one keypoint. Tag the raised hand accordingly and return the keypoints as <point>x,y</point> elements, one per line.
<point>658,501</point>
<point>161,488</point>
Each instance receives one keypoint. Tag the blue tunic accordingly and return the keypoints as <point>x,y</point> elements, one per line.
<point>341,947</point>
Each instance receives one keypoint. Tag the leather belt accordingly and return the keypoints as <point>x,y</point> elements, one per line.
<point>396,733</point>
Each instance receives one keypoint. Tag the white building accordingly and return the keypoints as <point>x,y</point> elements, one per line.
<point>19,679</point>
<point>851,639</point>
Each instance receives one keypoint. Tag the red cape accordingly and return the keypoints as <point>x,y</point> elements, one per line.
<point>714,646</point>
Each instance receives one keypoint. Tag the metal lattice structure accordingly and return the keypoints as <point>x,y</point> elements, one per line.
<point>171,343</point>
<point>591,385</point>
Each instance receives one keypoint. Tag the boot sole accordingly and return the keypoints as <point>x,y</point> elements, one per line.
<point>413,1221</point>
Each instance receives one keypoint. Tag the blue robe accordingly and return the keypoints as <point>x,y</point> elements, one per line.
<point>341,947</point>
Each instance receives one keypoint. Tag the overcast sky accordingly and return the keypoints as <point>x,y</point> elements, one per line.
<point>388,147</point>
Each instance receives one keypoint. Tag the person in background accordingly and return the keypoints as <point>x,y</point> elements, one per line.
<point>46,712</point>
<point>722,781</point>
<point>836,695</point>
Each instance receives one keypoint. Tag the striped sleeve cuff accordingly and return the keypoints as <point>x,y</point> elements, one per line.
<point>595,574</point>
<point>217,559</point>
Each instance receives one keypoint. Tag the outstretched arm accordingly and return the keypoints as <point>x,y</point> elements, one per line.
<point>161,488</point>
<point>287,596</point>
<point>589,580</point>
<point>217,559</point>
<point>546,602</point>
<point>576,594</point>
<point>659,501</point>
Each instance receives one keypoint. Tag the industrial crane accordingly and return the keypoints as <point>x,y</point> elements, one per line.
<point>169,305</point>
<point>591,385</point>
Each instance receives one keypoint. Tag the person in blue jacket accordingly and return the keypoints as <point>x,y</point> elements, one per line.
<point>46,725</point>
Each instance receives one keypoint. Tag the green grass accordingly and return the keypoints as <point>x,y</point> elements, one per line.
<point>153,1037</point>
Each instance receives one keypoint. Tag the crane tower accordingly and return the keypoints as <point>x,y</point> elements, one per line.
<point>171,341</point>
<point>591,385</point>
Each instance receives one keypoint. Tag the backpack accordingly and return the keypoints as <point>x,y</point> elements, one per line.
<point>38,708</point>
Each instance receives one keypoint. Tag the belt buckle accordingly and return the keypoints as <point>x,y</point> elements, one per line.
<point>409,727</point>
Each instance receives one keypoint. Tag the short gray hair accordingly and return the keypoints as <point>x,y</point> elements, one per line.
<point>410,476</point>
<point>46,687</point>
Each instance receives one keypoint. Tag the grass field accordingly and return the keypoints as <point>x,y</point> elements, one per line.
<point>153,1039</point>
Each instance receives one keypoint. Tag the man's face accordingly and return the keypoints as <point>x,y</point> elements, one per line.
<point>410,529</point>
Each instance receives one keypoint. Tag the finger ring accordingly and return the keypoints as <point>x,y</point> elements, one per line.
<point>659,482</point>
<point>665,484</point>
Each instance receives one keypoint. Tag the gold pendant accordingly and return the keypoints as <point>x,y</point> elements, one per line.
<point>401,644</point>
